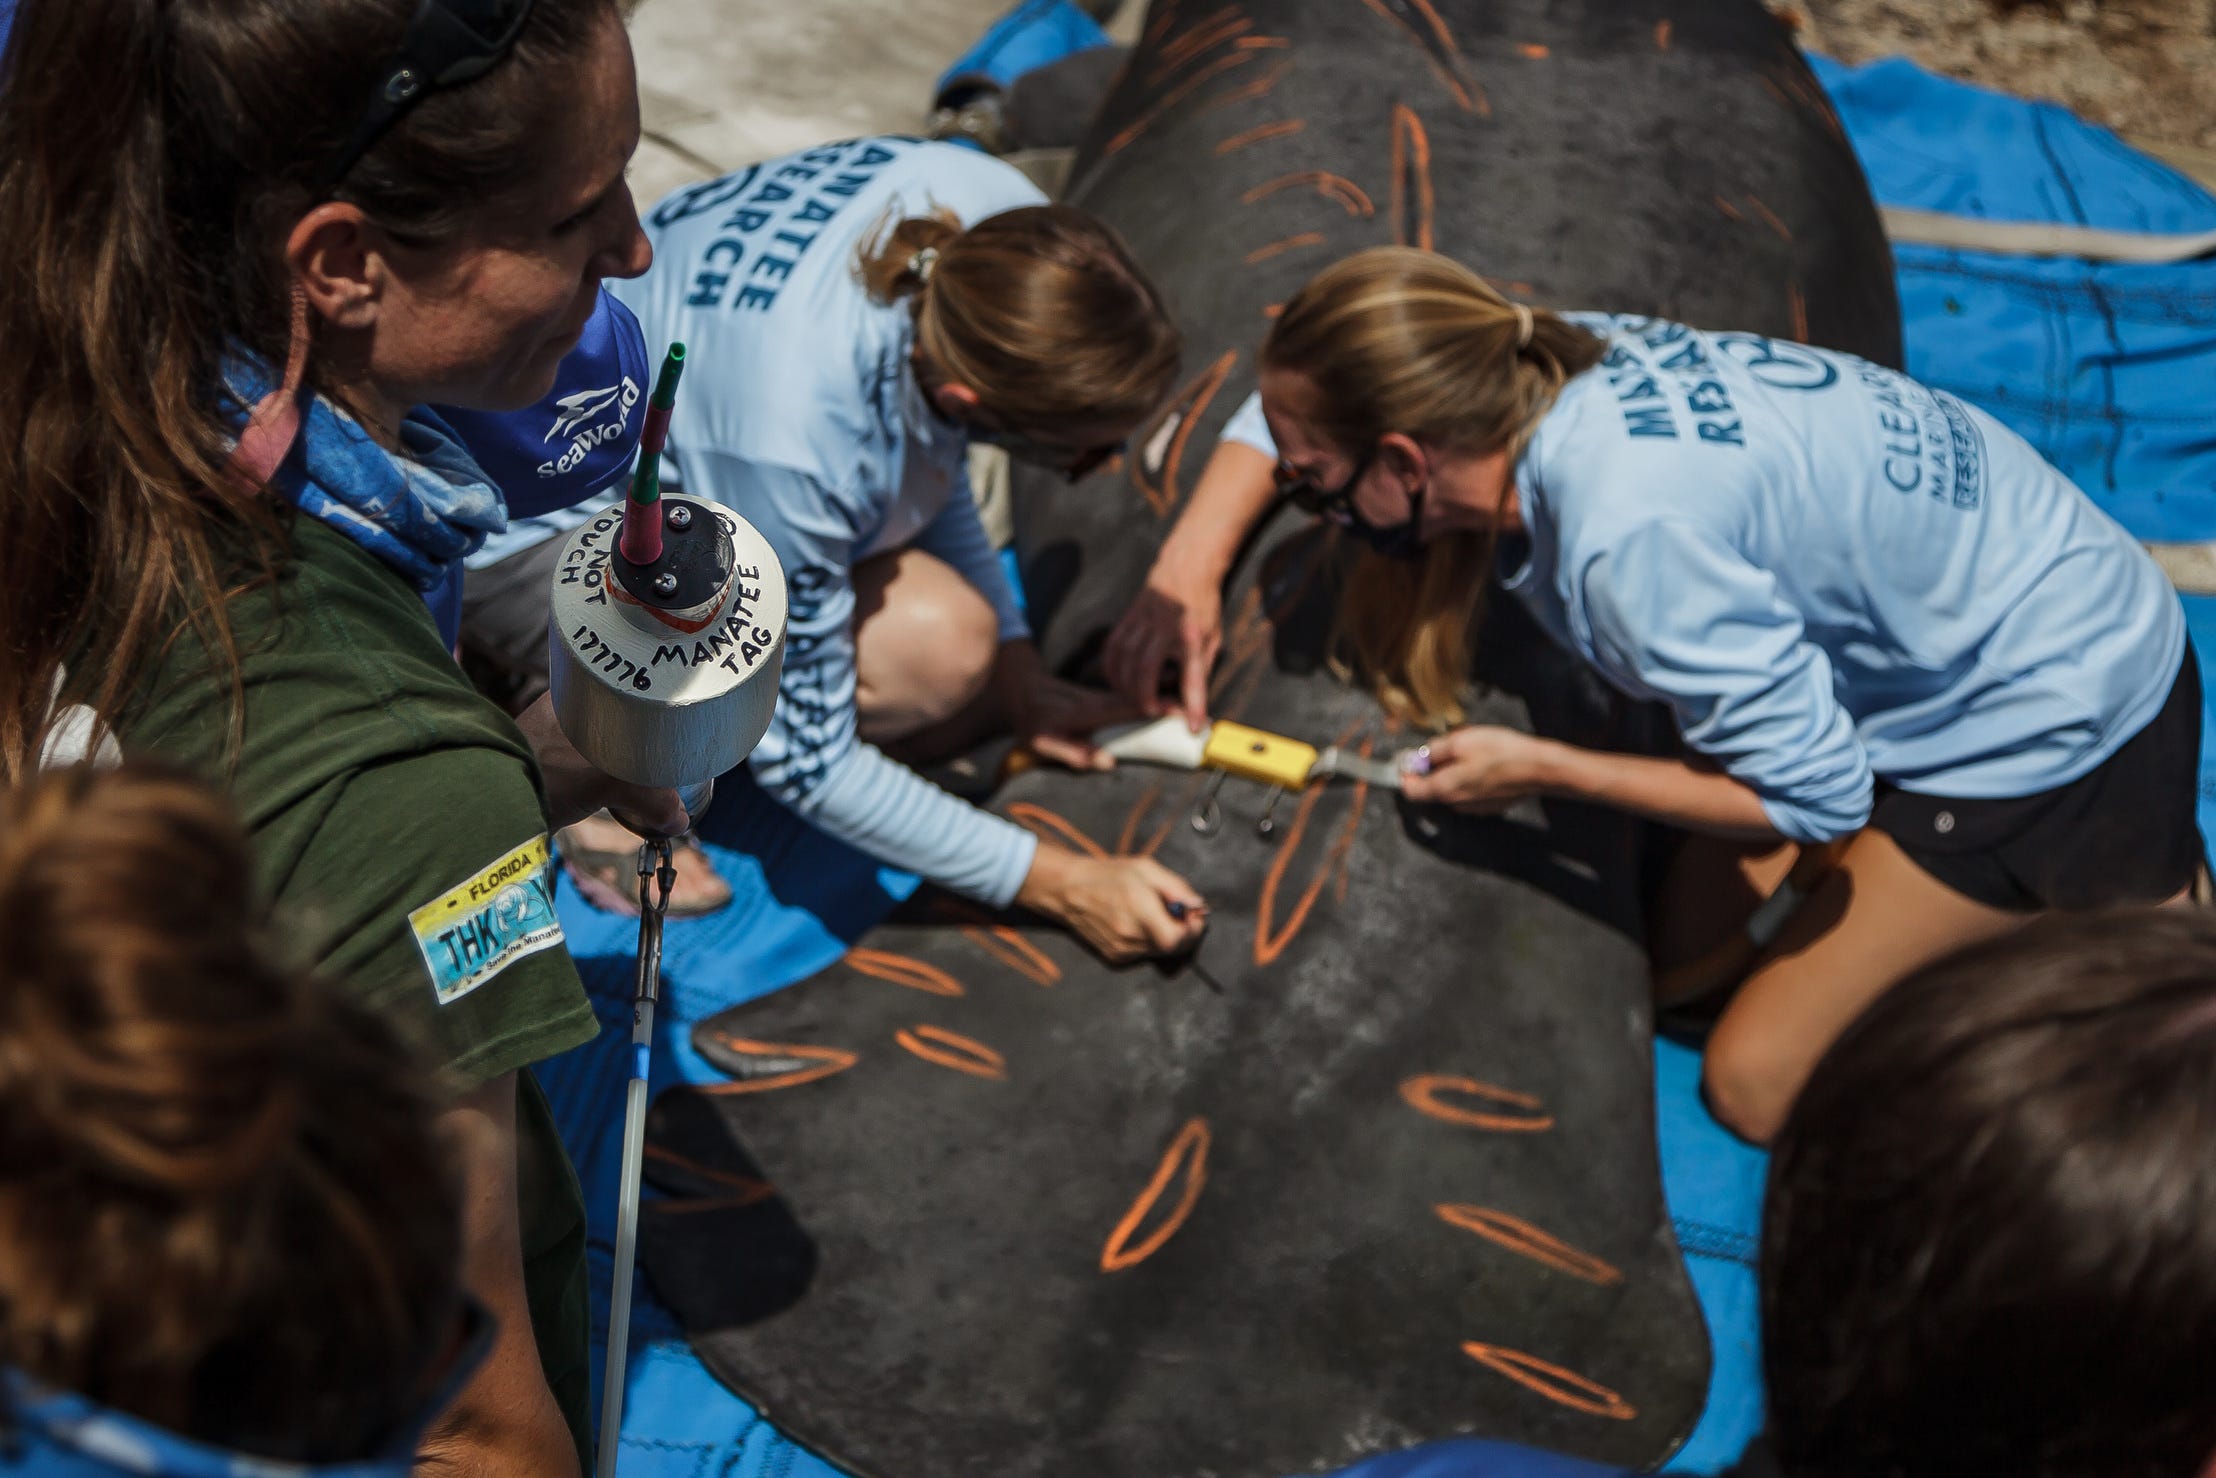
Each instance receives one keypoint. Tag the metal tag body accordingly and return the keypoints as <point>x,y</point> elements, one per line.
<point>659,696</point>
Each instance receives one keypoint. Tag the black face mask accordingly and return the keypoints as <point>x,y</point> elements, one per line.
<point>1403,540</point>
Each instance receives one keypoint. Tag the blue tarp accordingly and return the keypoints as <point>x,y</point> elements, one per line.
<point>2107,369</point>
<point>1032,35</point>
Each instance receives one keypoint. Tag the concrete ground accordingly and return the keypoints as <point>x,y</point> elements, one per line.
<point>725,82</point>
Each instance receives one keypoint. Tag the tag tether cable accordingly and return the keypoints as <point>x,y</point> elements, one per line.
<point>655,869</point>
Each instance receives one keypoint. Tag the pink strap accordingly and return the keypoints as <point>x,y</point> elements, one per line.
<point>274,425</point>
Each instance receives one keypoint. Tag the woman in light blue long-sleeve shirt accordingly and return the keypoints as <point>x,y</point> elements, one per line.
<point>1894,638</point>
<point>855,316</point>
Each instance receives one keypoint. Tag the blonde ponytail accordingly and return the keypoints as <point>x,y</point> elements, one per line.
<point>1396,339</point>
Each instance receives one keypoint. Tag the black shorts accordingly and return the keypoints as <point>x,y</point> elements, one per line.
<point>2124,833</point>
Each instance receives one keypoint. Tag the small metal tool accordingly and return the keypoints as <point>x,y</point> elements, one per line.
<point>1181,911</point>
<point>1207,816</point>
<point>1335,763</point>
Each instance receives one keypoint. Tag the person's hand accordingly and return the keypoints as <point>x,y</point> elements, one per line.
<point>575,790</point>
<point>1121,906</point>
<point>1177,617</point>
<point>1055,719</point>
<point>1481,768</point>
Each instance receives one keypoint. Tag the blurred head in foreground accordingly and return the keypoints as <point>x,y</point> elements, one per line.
<point>1990,1239</point>
<point>226,1214</point>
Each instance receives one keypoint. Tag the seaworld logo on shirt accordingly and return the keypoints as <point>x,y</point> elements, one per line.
<point>589,419</point>
<point>490,921</point>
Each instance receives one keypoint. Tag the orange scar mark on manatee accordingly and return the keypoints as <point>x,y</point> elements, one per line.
<point>935,1044</point>
<point>1260,135</point>
<point>1533,51</point>
<point>1016,952</point>
<point>1278,248</point>
<point>881,964</point>
<point>1518,1235</point>
<point>664,1207</point>
<point>1412,201</point>
<point>1770,218</point>
<point>1662,35</point>
<point>1423,23</point>
<point>1127,840</point>
<point>811,1063</point>
<point>1245,656</point>
<point>1045,825</point>
<point>1139,810</point>
<point>1565,1387</point>
<point>1731,212</point>
<point>1790,83</point>
<point>1201,39</point>
<point>1247,92</point>
<point>745,1190</point>
<point>1155,470</point>
<point>1263,43</point>
<point>1797,302</point>
<point>1270,941</point>
<point>1422,1093</point>
<point>1334,187</point>
<point>1175,96</point>
<point>1187,1156</point>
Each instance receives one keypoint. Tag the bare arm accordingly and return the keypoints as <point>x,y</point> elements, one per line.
<point>1695,796</point>
<point>1484,768</point>
<point>1179,615</point>
<point>506,1420</point>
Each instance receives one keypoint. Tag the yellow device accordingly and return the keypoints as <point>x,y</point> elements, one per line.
<point>1253,754</point>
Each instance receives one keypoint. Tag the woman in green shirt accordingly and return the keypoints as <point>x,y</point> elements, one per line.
<point>280,232</point>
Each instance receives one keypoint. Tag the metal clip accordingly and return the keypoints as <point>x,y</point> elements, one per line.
<point>1266,827</point>
<point>1207,816</point>
<point>656,866</point>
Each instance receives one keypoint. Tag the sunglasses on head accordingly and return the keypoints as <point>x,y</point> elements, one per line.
<point>1336,504</point>
<point>1074,463</point>
<point>448,43</point>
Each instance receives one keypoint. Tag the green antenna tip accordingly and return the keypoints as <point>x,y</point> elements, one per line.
<point>665,383</point>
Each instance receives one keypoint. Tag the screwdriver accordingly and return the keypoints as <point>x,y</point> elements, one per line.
<point>1181,911</point>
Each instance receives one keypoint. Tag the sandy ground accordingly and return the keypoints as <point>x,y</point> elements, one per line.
<point>2146,68</point>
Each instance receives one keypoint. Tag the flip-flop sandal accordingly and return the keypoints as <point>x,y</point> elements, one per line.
<point>608,879</point>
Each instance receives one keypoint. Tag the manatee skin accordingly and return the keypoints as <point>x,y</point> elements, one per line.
<point>1664,157</point>
<point>1381,1169</point>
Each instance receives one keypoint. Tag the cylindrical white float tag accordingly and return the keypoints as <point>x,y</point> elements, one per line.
<point>666,675</point>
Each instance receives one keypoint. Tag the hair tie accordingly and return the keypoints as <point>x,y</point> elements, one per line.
<point>1524,326</point>
<point>273,425</point>
<point>920,265</point>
